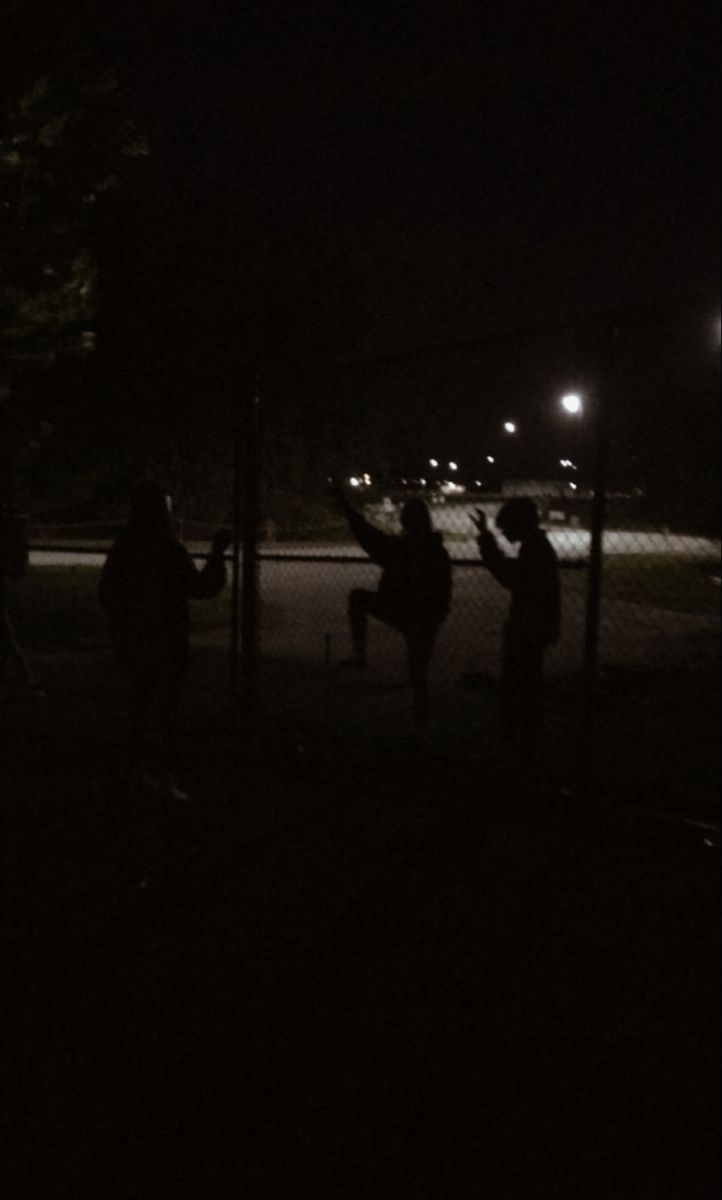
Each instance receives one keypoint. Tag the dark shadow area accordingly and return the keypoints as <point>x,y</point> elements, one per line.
<point>346,968</point>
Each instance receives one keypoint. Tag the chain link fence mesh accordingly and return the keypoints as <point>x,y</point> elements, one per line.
<point>661,589</point>
<point>428,428</point>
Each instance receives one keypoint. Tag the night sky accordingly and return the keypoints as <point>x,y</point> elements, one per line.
<point>417,174</point>
<point>437,168</point>
<point>341,182</point>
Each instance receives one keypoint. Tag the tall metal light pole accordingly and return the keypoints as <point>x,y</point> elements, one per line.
<point>601,417</point>
<point>600,484</point>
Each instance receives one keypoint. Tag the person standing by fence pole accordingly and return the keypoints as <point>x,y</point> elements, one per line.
<point>14,558</point>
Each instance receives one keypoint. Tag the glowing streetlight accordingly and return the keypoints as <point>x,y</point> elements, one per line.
<point>490,458</point>
<point>510,426</point>
<point>354,481</point>
<point>572,403</point>
<point>453,466</point>
<point>433,462</point>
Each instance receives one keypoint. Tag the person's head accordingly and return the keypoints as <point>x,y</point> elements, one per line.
<point>517,518</point>
<point>150,507</point>
<point>415,518</point>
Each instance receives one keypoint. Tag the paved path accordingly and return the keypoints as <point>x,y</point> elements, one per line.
<point>570,544</point>
<point>304,610</point>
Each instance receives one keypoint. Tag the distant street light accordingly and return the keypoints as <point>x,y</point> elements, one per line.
<point>510,426</point>
<point>490,458</point>
<point>572,403</point>
<point>453,466</point>
<point>433,462</point>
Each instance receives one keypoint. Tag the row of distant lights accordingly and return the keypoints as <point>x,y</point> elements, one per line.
<point>571,403</point>
<point>567,462</point>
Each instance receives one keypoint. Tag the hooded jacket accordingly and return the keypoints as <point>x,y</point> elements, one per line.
<point>145,586</point>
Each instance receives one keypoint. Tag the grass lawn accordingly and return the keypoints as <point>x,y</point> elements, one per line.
<point>56,609</point>
<point>663,581</point>
<point>657,731</point>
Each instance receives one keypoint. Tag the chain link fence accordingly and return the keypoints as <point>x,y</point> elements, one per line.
<point>661,589</point>
<point>464,432</point>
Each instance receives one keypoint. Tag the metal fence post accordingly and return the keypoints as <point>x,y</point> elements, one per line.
<point>243,648</point>
<point>249,574</point>
<point>596,548</point>
<point>234,647</point>
<point>600,487</point>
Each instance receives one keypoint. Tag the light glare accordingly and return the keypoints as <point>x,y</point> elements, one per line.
<point>572,402</point>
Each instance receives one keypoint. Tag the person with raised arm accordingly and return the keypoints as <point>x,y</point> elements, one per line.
<point>532,625</point>
<point>413,595</point>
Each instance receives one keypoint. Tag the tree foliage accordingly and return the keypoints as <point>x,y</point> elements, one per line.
<point>66,144</point>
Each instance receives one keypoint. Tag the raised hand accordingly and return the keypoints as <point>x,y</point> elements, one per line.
<point>479,519</point>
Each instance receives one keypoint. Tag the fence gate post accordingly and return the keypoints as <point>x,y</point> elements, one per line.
<point>234,646</point>
<point>600,487</point>
<point>243,649</point>
<point>249,576</point>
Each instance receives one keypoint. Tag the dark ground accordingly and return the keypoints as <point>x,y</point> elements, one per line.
<point>346,969</point>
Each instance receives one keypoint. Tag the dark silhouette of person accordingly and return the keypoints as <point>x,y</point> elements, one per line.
<point>146,583</point>
<point>533,623</point>
<point>14,555</point>
<point>413,595</point>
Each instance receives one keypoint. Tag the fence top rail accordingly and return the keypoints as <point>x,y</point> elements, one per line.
<point>574,564</point>
<point>565,564</point>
